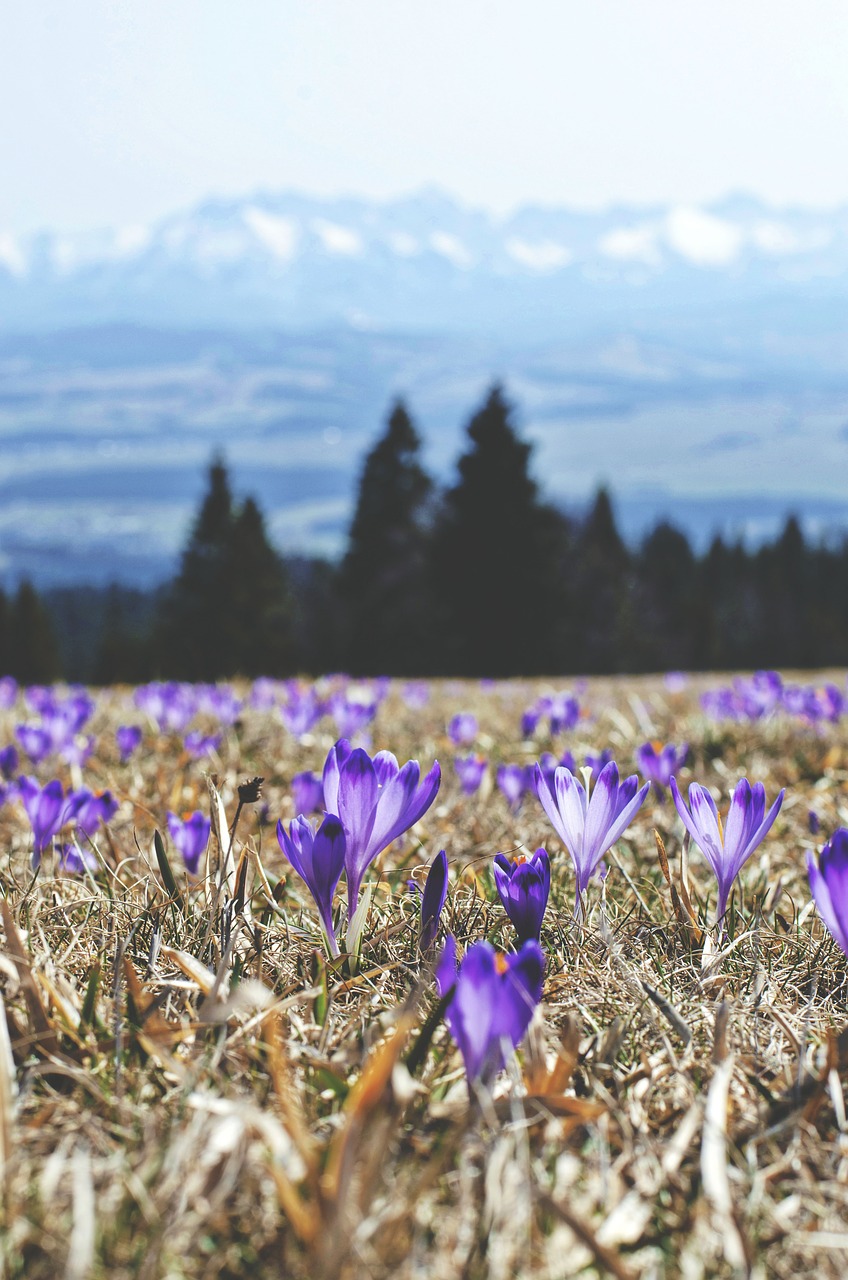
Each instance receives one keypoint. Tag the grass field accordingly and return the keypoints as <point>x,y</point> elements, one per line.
<point>189,1088</point>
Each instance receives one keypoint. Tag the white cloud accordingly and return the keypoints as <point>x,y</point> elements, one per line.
<point>450,247</point>
<point>701,238</point>
<point>338,239</point>
<point>278,235</point>
<point>542,255</point>
<point>403,244</point>
<point>131,240</point>
<point>11,256</point>
<point>778,240</point>
<point>631,244</point>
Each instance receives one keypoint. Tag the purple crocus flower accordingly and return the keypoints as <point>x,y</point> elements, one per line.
<point>493,1001</point>
<point>594,760</point>
<point>658,764</point>
<point>35,740</point>
<point>77,750</point>
<point>416,694</point>
<point>529,720</point>
<point>9,760</point>
<point>74,861</point>
<point>549,764</point>
<point>128,738</point>
<point>318,857</point>
<point>523,887</point>
<point>307,792</point>
<point>353,714</point>
<point>88,809</point>
<point>199,744</point>
<point>376,800</point>
<point>8,692</point>
<point>470,770</point>
<point>727,849</point>
<point>45,808</point>
<point>512,782</point>
<point>190,835</point>
<point>462,729</point>
<point>588,828</point>
<point>829,886</point>
<point>433,900</point>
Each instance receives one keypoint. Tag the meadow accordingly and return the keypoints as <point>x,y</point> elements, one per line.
<point>192,1085</point>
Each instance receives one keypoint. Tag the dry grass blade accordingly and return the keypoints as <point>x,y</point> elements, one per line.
<point>672,1016</point>
<point>714,1171</point>
<point>606,1258</point>
<point>44,1037</point>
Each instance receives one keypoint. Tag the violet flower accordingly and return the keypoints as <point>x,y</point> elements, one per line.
<point>318,857</point>
<point>462,729</point>
<point>8,692</point>
<point>523,887</point>
<point>493,1001</point>
<point>87,809</point>
<point>433,900</point>
<point>588,828</point>
<point>45,808</point>
<point>35,740</point>
<point>594,760</point>
<point>128,739</point>
<point>727,848</point>
<point>307,792</point>
<point>190,836</point>
<point>658,764</point>
<point>829,886</point>
<point>376,800</point>
<point>470,770</point>
<point>9,761</point>
<point>199,744</point>
<point>512,782</point>
<point>74,861</point>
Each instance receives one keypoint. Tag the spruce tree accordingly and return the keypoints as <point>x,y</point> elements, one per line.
<point>493,556</point>
<point>33,650</point>
<point>603,598</point>
<point>228,610</point>
<point>382,580</point>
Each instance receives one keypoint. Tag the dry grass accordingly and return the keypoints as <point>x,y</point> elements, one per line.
<point>187,1090</point>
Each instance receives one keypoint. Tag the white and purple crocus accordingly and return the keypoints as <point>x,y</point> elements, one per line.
<point>829,886</point>
<point>376,801</point>
<point>589,827</point>
<point>494,996</point>
<point>727,847</point>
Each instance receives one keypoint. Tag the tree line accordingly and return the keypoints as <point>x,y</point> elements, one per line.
<point>483,578</point>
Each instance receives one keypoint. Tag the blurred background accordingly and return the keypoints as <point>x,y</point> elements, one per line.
<point>247,233</point>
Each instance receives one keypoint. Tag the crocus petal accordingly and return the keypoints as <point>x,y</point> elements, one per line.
<point>433,899</point>
<point>829,886</point>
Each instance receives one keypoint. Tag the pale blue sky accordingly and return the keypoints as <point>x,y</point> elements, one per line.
<point>121,112</point>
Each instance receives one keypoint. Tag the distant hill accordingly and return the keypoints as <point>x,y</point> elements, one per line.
<point>694,359</point>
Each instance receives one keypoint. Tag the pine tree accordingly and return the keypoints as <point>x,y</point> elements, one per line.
<point>382,580</point>
<point>493,556</point>
<point>258,600</point>
<point>228,611</point>
<point>603,595</point>
<point>33,650</point>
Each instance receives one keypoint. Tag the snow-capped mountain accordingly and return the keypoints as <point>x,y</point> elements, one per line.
<point>424,262</point>
<point>695,359</point>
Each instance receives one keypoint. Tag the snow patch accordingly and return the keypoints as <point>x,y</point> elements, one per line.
<point>631,244</point>
<point>541,255</point>
<point>277,235</point>
<point>338,239</point>
<point>450,247</point>
<point>701,238</point>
